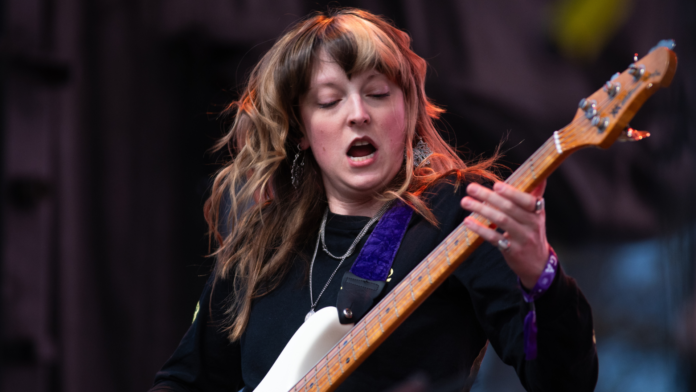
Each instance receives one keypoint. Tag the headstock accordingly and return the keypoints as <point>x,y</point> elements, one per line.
<point>602,117</point>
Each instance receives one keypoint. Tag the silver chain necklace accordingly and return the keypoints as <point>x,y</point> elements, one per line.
<point>350,251</point>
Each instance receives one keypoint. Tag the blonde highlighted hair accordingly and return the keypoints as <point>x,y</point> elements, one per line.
<point>269,220</point>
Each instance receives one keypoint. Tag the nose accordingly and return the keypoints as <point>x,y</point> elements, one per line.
<point>359,114</point>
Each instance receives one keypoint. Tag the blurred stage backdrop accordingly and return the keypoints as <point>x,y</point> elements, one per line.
<point>108,109</point>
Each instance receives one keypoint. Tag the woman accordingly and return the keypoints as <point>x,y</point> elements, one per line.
<point>334,129</point>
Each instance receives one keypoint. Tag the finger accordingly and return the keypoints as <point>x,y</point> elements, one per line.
<point>484,232</point>
<point>538,192</point>
<point>504,221</point>
<point>501,202</point>
<point>525,200</point>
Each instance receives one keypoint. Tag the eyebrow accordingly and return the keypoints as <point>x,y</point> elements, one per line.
<point>331,83</point>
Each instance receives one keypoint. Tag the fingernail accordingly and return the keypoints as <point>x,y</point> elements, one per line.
<point>472,188</point>
<point>498,187</point>
<point>466,202</point>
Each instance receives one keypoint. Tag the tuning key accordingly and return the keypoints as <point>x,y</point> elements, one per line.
<point>612,88</point>
<point>600,123</point>
<point>636,70</point>
<point>590,109</point>
<point>589,106</point>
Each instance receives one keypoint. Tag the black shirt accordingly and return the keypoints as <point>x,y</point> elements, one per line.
<point>480,301</point>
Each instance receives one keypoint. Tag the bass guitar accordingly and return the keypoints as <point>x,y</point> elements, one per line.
<point>323,352</point>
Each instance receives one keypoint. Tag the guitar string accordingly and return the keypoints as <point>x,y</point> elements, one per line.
<point>514,180</point>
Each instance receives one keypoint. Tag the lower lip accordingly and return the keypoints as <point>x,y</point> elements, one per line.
<point>362,161</point>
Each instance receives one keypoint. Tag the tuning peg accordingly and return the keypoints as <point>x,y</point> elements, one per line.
<point>583,104</point>
<point>601,123</point>
<point>636,70</point>
<point>632,135</point>
<point>589,106</point>
<point>612,88</point>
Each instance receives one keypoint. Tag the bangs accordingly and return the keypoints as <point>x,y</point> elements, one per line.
<point>358,45</point>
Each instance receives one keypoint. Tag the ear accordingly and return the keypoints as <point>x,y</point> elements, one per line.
<point>304,143</point>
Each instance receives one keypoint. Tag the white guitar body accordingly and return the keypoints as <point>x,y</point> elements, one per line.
<point>307,346</point>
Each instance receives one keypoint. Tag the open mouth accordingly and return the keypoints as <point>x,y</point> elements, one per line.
<point>361,150</point>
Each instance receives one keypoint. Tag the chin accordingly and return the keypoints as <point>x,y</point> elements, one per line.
<point>368,183</point>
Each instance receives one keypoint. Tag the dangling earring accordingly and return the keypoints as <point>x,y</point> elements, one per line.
<point>421,152</point>
<point>297,169</point>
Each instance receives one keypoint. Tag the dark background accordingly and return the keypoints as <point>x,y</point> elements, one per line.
<point>109,107</point>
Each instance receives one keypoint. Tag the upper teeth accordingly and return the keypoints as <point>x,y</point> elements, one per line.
<point>361,143</point>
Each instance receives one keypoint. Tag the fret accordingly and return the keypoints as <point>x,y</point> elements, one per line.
<point>367,340</point>
<point>379,318</point>
<point>328,371</point>
<point>340,361</point>
<point>352,344</point>
<point>396,309</point>
<point>447,253</point>
<point>531,169</point>
<point>466,235</point>
<point>316,379</point>
<point>410,283</point>
<point>430,278</point>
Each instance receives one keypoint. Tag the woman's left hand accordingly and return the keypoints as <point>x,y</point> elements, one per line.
<point>514,212</point>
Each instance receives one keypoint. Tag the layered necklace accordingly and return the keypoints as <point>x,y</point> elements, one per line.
<point>321,238</point>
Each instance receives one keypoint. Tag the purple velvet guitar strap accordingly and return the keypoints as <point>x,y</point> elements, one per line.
<point>366,278</point>
<point>377,255</point>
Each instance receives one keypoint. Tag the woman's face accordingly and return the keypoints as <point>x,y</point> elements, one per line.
<point>356,129</point>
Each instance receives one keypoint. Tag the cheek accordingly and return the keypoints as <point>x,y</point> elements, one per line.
<point>396,127</point>
<point>320,139</point>
<point>325,146</point>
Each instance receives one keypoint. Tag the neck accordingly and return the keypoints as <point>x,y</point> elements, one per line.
<point>367,207</point>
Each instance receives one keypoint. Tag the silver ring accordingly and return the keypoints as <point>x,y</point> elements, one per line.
<point>504,244</point>
<point>540,205</point>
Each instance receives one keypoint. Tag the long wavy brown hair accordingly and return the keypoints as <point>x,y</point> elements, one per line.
<point>268,221</point>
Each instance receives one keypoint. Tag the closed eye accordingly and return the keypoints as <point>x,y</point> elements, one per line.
<point>328,104</point>
<point>380,95</point>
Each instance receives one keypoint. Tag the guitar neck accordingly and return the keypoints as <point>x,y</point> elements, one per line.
<point>396,306</point>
